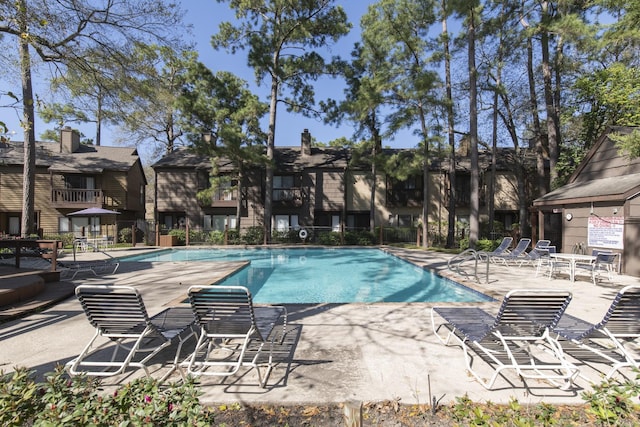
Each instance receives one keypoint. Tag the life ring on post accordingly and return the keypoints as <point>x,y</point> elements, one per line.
<point>303,234</point>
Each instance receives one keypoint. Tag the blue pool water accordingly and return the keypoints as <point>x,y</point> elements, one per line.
<point>319,275</point>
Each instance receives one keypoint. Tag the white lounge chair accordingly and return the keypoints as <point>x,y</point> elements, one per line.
<point>233,331</point>
<point>119,314</point>
<point>535,256</point>
<point>518,253</point>
<point>69,270</point>
<point>502,247</point>
<point>608,339</point>
<point>508,339</point>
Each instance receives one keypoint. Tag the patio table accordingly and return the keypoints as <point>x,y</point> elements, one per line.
<point>573,259</point>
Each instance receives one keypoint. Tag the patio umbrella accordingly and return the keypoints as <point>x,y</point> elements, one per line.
<point>91,212</point>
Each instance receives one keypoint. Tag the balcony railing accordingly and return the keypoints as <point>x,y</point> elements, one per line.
<point>404,198</point>
<point>76,198</point>
<point>288,196</point>
<point>224,197</point>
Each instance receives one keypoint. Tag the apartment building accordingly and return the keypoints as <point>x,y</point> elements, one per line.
<point>321,187</point>
<point>71,176</point>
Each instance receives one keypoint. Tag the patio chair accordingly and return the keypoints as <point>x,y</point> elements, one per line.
<point>517,254</point>
<point>544,259</point>
<point>233,331</point>
<point>604,262</point>
<point>119,314</point>
<point>509,339</point>
<point>608,339</point>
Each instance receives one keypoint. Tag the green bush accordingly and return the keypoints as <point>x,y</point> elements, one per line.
<point>360,238</point>
<point>216,237</point>
<point>180,234</point>
<point>61,400</point>
<point>487,244</point>
<point>254,236</point>
<point>329,238</point>
<point>288,236</point>
<point>481,244</point>
<point>233,237</point>
<point>124,235</point>
<point>65,238</point>
<point>197,236</point>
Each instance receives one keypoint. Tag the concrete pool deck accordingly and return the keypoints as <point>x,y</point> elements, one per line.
<point>333,352</point>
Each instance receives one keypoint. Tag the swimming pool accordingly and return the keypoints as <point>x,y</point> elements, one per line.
<point>327,275</point>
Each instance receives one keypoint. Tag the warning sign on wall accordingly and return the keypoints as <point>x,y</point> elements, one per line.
<point>606,232</point>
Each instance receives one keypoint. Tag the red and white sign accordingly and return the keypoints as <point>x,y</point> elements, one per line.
<point>606,232</point>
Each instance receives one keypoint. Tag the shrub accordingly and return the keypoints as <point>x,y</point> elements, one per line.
<point>487,244</point>
<point>197,236</point>
<point>65,238</point>
<point>360,238</point>
<point>216,237</point>
<point>233,237</point>
<point>254,235</point>
<point>481,244</point>
<point>61,400</point>
<point>329,238</point>
<point>124,235</point>
<point>180,234</point>
<point>288,236</point>
<point>612,401</point>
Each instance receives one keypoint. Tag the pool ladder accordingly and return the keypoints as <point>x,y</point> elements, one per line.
<point>469,259</point>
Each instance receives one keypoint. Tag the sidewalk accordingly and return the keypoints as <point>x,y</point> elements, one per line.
<point>333,352</point>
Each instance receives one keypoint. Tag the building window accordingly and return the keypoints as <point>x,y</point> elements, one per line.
<point>286,222</point>
<point>218,222</point>
<point>283,181</point>
<point>335,223</point>
<point>80,182</point>
<point>63,224</point>
<point>358,221</point>
<point>405,220</point>
<point>284,188</point>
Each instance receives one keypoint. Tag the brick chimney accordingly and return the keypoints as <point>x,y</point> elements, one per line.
<point>69,140</point>
<point>305,143</point>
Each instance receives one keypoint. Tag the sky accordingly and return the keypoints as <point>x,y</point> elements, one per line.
<point>205,16</point>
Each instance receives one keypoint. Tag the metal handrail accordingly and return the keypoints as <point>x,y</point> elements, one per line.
<point>455,264</point>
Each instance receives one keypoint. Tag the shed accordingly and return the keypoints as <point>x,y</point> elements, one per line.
<point>599,207</point>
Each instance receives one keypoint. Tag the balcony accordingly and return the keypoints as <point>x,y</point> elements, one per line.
<point>288,196</point>
<point>76,198</point>
<point>224,197</point>
<point>404,198</point>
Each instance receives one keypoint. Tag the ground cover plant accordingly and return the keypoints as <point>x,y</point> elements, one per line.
<point>78,401</point>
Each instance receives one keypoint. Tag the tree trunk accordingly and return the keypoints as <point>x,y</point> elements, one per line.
<point>425,179</point>
<point>451,220</point>
<point>540,145</point>
<point>474,205</point>
<point>98,117</point>
<point>239,201</point>
<point>552,119</point>
<point>28,120</point>
<point>377,144</point>
<point>268,196</point>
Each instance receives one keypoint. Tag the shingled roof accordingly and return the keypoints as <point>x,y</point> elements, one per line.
<point>86,159</point>
<point>287,159</point>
